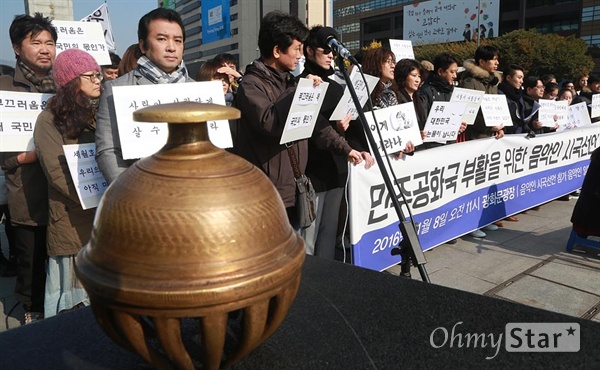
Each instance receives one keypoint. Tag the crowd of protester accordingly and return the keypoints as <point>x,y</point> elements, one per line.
<point>46,225</point>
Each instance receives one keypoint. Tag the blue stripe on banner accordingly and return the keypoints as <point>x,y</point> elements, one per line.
<point>470,212</point>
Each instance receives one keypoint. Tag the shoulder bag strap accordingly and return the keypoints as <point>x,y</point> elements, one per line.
<point>294,161</point>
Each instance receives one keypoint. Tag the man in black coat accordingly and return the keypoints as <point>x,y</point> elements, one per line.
<point>586,214</point>
<point>328,171</point>
<point>264,98</point>
<point>512,80</point>
<point>439,86</point>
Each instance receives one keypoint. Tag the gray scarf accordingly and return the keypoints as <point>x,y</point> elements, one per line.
<point>155,75</point>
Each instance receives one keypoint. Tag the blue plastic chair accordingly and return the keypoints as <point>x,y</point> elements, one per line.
<point>575,239</point>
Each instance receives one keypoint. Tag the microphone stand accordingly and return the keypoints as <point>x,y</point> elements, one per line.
<point>410,247</point>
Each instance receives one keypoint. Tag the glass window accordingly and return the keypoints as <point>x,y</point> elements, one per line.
<point>381,25</point>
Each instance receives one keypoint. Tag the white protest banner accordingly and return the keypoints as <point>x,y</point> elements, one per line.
<point>473,100</point>
<point>455,189</point>
<point>402,49</point>
<point>303,113</point>
<point>86,36</point>
<point>346,104</point>
<point>443,121</point>
<point>595,106</point>
<point>87,177</point>
<point>397,124</point>
<point>495,110</point>
<point>578,116</point>
<point>18,114</point>
<point>102,16</point>
<point>142,139</point>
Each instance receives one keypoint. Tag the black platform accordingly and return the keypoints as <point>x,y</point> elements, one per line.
<point>344,317</point>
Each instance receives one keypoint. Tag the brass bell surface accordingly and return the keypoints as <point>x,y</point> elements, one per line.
<point>190,232</point>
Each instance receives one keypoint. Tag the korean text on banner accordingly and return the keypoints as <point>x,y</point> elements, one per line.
<point>455,189</point>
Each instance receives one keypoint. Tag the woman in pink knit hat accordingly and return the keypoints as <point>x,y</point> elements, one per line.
<point>69,118</point>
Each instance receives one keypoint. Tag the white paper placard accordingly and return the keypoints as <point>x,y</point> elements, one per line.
<point>578,116</point>
<point>402,49</point>
<point>444,121</point>
<point>346,104</point>
<point>562,112</point>
<point>142,139</point>
<point>473,100</point>
<point>398,125</point>
<point>303,113</point>
<point>87,177</point>
<point>552,112</point>
<point>495,110</point>
<point>18,114</point>
<point>595,106</point>
<point>86,36</point>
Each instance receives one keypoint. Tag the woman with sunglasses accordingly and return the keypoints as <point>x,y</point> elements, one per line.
<point>69,118</point>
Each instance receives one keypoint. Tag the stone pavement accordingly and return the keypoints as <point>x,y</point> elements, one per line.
<point>523,262</point>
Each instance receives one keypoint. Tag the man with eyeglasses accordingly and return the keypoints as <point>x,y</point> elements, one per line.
<point>161,37</point>
<point>33,40</point>
<point>534,91</point>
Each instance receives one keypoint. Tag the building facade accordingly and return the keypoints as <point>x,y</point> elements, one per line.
<point>360,22</point>
<point>244,23</point>
<point>61,10</point>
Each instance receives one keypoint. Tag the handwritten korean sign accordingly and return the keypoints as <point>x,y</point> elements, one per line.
<point>141,139</point>
<point>443,121</point>
<point>398,125</point>
<point>473,100</point>
<point>86,36</point>
<point>595,106</point>
<point>578,116</point>
<point>402,49</point>
<point>346,104</point>
<point>495,110</point>
<point>87,178</point>
<point>553,112</point>
<point>18,114</point>
<point>303,113</point>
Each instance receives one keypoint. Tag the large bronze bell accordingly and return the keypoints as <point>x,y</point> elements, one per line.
<point>191,232</point>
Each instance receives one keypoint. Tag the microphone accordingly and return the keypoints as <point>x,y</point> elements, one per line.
<point>329,37</point>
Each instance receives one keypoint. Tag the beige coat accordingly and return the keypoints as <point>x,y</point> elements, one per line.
<point>477,78</point>
<point>69,226</point>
